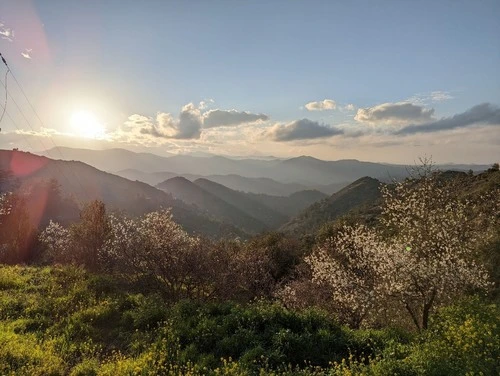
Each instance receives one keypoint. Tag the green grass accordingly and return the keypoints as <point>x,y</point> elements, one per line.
<point>65,321</point>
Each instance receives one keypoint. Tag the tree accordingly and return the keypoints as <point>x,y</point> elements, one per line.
<point>434,244</point>
<point>424,255</point>
<point>156,247</point>
<point>58,243</point>
<point>16,231</point>
<point>349,264</point>
<point>90,235</point>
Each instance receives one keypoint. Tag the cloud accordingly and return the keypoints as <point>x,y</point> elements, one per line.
<point>6,32</point>
<point>165,126</point>
<point>327,104</point>
<point>401,113</point>
<point>218,118</point>
<point>349,107</point>
<point>484,113</point>
<point>304,129</point>
<point>439,96</point>
<point>432,97</point>
<point>189,124</point>
<point>206,103</point>
<point>26,53</point>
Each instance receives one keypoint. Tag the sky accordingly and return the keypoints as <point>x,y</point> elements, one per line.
<point>384,81</point>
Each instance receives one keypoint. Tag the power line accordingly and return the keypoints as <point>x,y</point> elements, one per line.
<point>5,87</point>
<point>23,135</point>
<point>42,124</point>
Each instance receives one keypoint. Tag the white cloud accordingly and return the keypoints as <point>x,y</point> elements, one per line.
<point>207,103</point>
<point>26,53</point>
<point>394,114</point>
<point>429,98</point>
<point>326,104</point>
<point>6,32</point>
<point>187,126</point>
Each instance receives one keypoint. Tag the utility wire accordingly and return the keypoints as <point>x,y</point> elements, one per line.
<point>23,135</point>
<point>43,125</point>
<point>5,87</point>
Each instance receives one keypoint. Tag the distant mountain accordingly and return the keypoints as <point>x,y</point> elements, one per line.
<point>244,202</point>
<point>151,178</point>
<point>109,160</point>
<point>266,186</point>
<point>256,185</point>
<point>86,183</point>
<point>211,204</point>
<point>363,192</point>
<point>289,205</point>
<point>304,170</point>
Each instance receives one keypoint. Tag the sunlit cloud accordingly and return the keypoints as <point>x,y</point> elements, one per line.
<point>430,98</point>
<point>6,32</point>
<point>189,125</point>
<point>484,113</point>
<point>326,104</point>
<point>206,103</point>
<point>394,114</point>
<point>27,53</point>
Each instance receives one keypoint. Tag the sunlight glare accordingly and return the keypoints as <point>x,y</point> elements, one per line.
<point>87,125</point>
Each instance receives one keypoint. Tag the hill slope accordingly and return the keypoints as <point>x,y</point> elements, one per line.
<point>86,183</point>
<point>243,202</point>
<point>213,205</point>
<point>292,204</point>
<point>232,181</point>
<point>363,192</point>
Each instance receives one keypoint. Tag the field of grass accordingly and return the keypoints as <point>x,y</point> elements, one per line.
<point>66,321</point>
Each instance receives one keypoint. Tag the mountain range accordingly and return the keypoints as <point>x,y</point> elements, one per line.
<point>84,183</point>
<point>269,176</point>
<point>202,204</point>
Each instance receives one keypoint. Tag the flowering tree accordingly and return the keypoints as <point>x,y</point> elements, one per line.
<point>424,255</point>
<point>434,240</point>
<point>4,206</point>
<point>4,212</point>
<point>348,263</point>
<point>156,246</point>
<point>58,243</point>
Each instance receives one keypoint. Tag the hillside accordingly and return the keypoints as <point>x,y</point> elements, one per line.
<point>290,205</point>
<point>243,202</point>
<point>362,192</point>
<point>232,181</point>
<point>217,207</point>
<point>85,183</point>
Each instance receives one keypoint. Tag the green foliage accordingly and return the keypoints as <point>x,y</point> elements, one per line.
<point>213,331</point>
<point>65,321</point>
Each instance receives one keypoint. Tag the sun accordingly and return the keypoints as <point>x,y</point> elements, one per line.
<point>87,125</point>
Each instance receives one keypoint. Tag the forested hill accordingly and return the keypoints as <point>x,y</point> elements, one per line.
<point>211,204</point>
<point>84,183</point>
<point>362,198</point>
<point>362,192</point>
